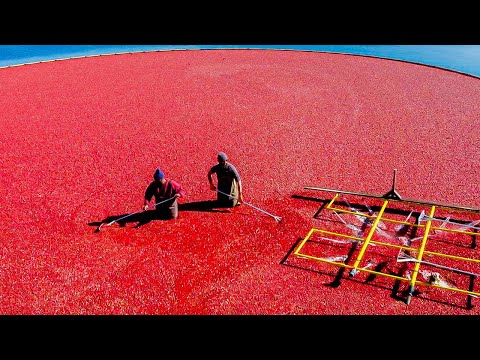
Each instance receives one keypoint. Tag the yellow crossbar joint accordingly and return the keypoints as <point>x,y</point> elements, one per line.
<point>367,239</point>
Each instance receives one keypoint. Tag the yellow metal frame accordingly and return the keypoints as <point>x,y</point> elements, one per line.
<point>368,240</point>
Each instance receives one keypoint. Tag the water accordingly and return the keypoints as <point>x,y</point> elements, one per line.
<point>461,58</point>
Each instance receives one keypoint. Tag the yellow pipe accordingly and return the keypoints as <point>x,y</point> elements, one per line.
<point>350,267</point>
<point>450,288</point>
<point>401,222</point>
<point>373,217</point>
<point>338,234</point>
<point>305,239</point>
<point>396,246</point>
<point>420,255</point>
<point>332,201</point>
<point>323,260</point>
<point>451,256</point>
<point>358,213</point>
<point>351,212</point>
<point>455,231</point>
<point>393,245</point>
<point>367,239</point>
<point>362,239</point>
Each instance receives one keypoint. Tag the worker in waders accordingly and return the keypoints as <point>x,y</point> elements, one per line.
<point>166,192</point>
<point>228,182</point>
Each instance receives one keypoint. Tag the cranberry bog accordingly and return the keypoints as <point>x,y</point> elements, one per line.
<point>81,138</point>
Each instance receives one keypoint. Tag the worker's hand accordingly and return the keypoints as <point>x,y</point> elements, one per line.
<point>145,207</point>
<point>213,187</point>
<point>177,195</point>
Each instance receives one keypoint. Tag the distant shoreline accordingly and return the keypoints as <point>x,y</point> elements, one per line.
<point>464,59</point>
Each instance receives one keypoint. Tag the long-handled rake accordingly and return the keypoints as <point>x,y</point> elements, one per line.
<point>124,217</point>
<point>277,218</point>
